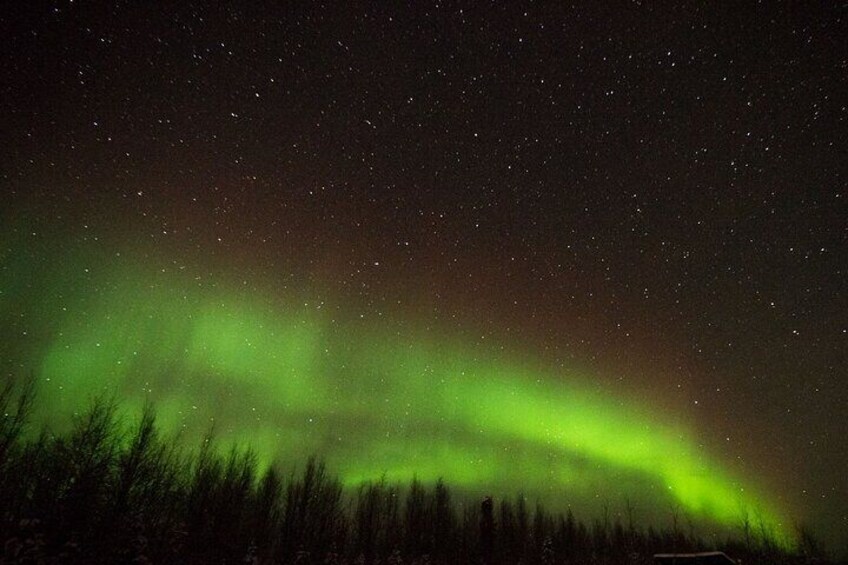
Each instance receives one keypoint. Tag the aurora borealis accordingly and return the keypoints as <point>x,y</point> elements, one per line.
<point>285,380</point>
<point>589,254</point>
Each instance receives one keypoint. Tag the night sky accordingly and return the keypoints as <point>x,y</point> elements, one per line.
<point>590,252</point>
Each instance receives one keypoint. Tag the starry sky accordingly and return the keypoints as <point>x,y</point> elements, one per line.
<point>593,248</point>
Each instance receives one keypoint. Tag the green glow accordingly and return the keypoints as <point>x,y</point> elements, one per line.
<point>291,381</point>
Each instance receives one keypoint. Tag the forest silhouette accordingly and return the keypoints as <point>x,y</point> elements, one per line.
<point>106,491</point>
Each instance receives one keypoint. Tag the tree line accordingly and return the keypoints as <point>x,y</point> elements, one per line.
<point>104,492</point>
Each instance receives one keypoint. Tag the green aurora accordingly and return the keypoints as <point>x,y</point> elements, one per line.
<point>374,401</point>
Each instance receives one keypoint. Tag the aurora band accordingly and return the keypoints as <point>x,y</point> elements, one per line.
<point>294,381</point>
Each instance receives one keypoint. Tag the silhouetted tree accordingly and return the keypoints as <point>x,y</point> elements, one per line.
<point>416,518</point>
<point>487,529</point>
<point>443,521</point>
